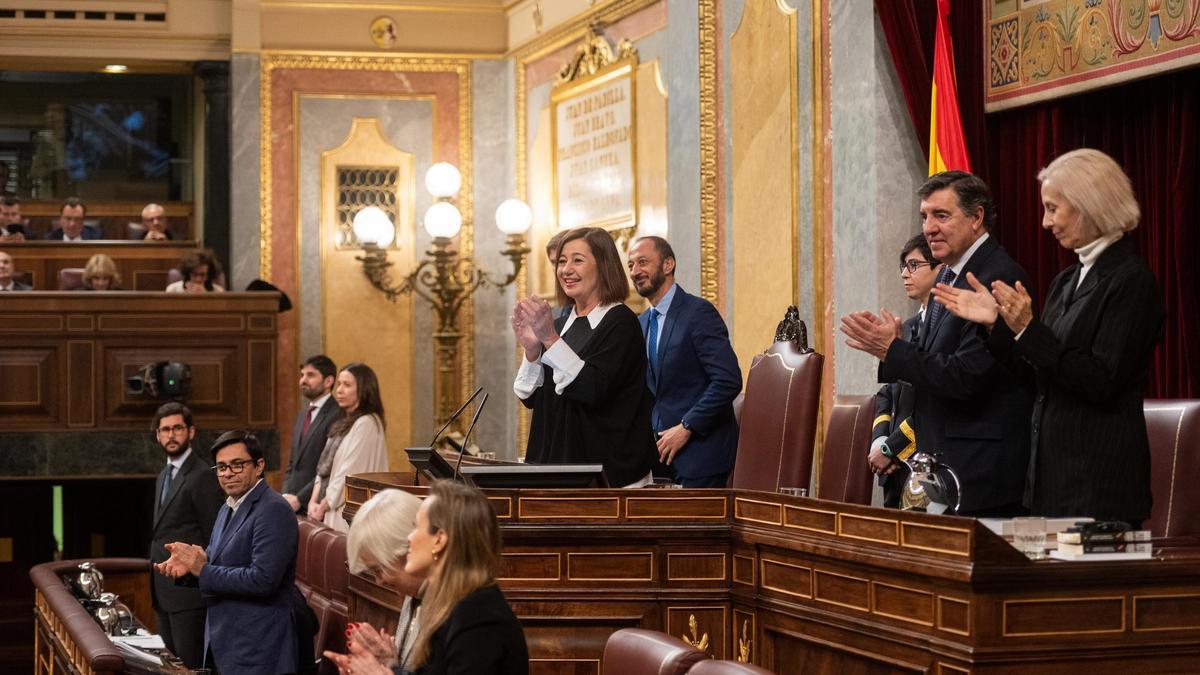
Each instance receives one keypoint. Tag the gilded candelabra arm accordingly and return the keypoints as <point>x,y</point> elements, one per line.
<point>377,269</point>
<point>515,251</point>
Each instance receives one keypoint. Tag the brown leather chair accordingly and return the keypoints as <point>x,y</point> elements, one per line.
<point>634,650</point>
<point>323,579</point>
<point>1173,427</point>
<point>779,413</point>
<point>727,668</point>
<point>845,474</point>
<point>70,278</point>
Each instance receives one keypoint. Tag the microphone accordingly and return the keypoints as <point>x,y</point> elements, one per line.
<point>454,417</point>
<point>474,419</point>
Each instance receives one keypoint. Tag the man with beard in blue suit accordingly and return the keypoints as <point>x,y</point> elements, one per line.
<point>691,369</point>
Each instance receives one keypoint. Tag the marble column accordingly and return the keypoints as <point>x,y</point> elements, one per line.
<point>244,172</point>
<point>215,75</point>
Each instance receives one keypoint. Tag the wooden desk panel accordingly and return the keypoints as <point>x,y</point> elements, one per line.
<point>65,357</point>
<point>143,265</point>
<point>111,217</point>
<point>803,585</point>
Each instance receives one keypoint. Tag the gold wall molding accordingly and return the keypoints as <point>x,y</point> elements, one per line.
<point>710,155</point>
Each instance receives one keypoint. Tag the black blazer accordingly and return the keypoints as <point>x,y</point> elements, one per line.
<point>603,416</point>
<point>894,421</point>
<point>1089,355</point>
<point>187,515</point>
<point>480,637</point>
<point>302,464</point>
<point>970,410</point>
<point>20,286</point>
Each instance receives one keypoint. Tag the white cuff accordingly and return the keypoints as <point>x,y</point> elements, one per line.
<point>877,442</point>
<point>529,378</point>
<point>1018,335</point>
<point>565,363</point>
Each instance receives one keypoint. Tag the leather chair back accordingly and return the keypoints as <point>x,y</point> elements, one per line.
<point>845,474</point>
<point>1173,427</point>
<point>135,231</point>
<point>323,579</point>
<point>634,650</point>
<point>70,278</point>
<point>727,668</point>
<point>779,418</point>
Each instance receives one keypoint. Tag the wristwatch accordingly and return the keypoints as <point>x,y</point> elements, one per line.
<point>685,425</point>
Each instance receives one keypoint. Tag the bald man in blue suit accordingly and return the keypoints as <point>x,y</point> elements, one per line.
<point>691,370</point>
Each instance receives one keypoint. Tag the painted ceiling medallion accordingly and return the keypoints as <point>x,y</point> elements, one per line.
<point>383,32</point>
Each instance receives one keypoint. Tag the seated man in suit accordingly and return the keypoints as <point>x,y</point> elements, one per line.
<point>12,225</point>
<point>970,409</point>
<point>311,430</point>
<point>7,282</point>
<point>894,427</point>
<point>247,574</point>
<point>70,223</point>
<point>155,222</point>
<point>692,370</point>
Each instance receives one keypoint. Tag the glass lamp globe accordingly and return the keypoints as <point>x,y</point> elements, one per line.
<point>372,226</point>
<point>443,220</point>
<point>514,217</point>
<point>443,180</point>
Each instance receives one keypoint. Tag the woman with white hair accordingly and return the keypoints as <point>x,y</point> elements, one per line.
<point>378,544</point>
<point>1088,353</point>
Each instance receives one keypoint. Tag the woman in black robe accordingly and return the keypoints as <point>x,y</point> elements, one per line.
<point>584,374</point>
<point>1090,350</point>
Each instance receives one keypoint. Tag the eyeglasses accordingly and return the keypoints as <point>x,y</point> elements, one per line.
<point>235,467</point>
<point>911,266</point>
<point>177,429</point>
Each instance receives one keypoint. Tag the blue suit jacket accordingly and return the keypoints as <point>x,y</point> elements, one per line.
<point>89,233</point>
<point>699,378</point>
<point>248,583</point>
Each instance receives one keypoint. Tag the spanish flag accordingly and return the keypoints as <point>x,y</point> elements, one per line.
<point>947,147</point>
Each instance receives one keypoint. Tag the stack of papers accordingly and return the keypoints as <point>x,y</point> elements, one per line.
<point>131,647</point>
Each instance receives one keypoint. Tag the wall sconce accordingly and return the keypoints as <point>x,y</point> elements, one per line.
<point>442,277</point>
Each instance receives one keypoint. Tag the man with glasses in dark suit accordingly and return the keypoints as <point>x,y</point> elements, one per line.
<point>186,500</point>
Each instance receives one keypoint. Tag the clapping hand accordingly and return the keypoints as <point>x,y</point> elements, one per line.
<point>1014,305</point>
<point>185,559</point>
<point>371,652</point>
<point>869,333</point>
<point>976,305</point>
<point>523,331</point>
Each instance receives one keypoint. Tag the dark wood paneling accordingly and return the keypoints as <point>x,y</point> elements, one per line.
<point>142,266</point>
<point>65,357</point>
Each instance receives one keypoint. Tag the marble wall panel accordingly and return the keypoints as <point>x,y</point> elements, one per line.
<point>244,232</point>
<point>875,174</point>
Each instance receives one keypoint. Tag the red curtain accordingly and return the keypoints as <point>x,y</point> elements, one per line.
<point>1149,127</point>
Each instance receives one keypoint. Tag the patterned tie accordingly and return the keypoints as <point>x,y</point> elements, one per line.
<point>308,418</point>
<point>936,309</point>
<point>652,342</point>
<point>170,475</point>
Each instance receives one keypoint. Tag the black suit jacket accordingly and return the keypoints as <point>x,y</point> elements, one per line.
<point>481,636</point>
<point>187,515</point>
<point>302,464</point>
<point>894,421</point>
<point>970,409</point>
<point>89,234</point>
<point>1089,355</point>
<point>19,286</point>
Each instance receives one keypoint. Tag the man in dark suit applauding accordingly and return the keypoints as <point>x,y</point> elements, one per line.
<point>186,500</point>
<point>691,370</point>
<point>247,573</point>
<point>312,427</point>
<point>969,409</point>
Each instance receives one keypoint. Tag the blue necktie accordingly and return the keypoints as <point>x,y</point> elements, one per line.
<point>652,342</point>
<point>936,309</point>
<point>162,498</point>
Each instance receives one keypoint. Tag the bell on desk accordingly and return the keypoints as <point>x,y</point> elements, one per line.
<point>931,486</point>
<point>106,613</point>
